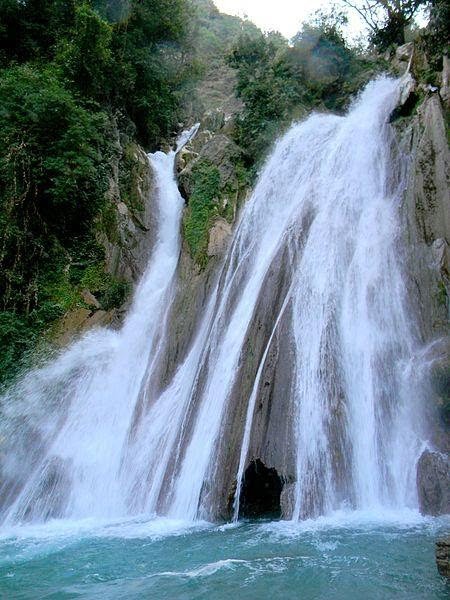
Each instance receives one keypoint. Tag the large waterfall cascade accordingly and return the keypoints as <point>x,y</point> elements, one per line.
<point>88,436</point>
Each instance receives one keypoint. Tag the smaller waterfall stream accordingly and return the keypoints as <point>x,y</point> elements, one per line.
<point>100,379</point>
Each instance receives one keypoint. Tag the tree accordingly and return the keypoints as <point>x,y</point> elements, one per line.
<point>31,29</point>
<point>278,82</point>
<point>386,19</point>
<point>85,56</point>
<point>437,35</point>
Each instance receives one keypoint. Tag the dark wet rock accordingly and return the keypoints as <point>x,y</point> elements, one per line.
<point>193,289</point>
<point>426,224</point>
<point>433,483</point>
<point>261,492</point>
<point>440,384</point>
<point>443,556</point>
<point>270,440</point>
<point>219,150</point>
<point>129,240</point>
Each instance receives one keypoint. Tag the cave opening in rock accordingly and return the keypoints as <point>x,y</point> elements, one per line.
<point>261,492</point>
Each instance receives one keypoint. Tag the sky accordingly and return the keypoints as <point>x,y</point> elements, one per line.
<point>281,15</point>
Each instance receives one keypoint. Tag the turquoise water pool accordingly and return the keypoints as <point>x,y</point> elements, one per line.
<point>338,558</point>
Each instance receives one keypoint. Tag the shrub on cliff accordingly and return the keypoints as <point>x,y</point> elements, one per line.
<point>279,82</point>
<point>68,70</point>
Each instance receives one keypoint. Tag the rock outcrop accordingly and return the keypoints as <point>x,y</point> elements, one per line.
<point>126,230</point>
<point>211,147</point>
<point>128,235</point>
<point>433,483</point>
<point>443,556</point>
<point>420,123</point>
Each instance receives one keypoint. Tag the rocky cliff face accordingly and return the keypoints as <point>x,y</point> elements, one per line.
<point>126,232</point>
<point>443,556</point>
<point>211,156</point>
<point>421,122</point>
<point>209,175</point>
<point>270,466</point>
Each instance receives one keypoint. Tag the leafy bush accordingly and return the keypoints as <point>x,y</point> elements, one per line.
<point>201,210</point>
<point>86,57</point>
<point>437,35</point>
<point>53,176</point>
<point>279,82</point>
<point>68,71</point>
<point>110,292</point>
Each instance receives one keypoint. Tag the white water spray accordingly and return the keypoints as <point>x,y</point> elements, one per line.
<point>329,194</point>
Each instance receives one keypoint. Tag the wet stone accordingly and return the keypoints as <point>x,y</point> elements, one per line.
<point>261,492</point>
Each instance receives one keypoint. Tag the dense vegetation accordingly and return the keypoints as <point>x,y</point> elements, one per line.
<point>214,33</point>
<point>78,75</point>
<point>203,207</point>
<point>279,82</point>
<point>71,72</point>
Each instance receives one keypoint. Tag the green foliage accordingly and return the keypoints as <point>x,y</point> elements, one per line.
<point>150,65</point>
<point>31,29</point>
<point>86,57</point>
<point>266,87</point>
<point>442,296</point>
<point>17,338</point>
<point>202,209</point>
<point>110,292</point>
<point>215,32</point>
<point>280,82</point>
<point>127,55</point>
<point>68,70</point>
<point>52,178</point>
<point>131,173</point>
<point>437,35</point>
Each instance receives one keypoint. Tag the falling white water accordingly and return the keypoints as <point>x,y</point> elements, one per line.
<point>100,377</point>
<point>354,339</point>
<point>107,446</point>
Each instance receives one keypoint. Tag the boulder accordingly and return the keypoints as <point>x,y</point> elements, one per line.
<point>433,483</point>
<point>408,98</point>
<point>129,232</point>
<point>218,237</point>
<point>184,157</point>
<point>443,556</point>
<point>445,86</point>
<point>218,150</point>
<point>90,299</point>
<point>213,120</point>
<point>222,152</point>
<point>403,58</point>
<point>404,53</point>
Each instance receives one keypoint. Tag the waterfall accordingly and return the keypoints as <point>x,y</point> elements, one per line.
<point>80,408</point>
<point>320,242</point>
